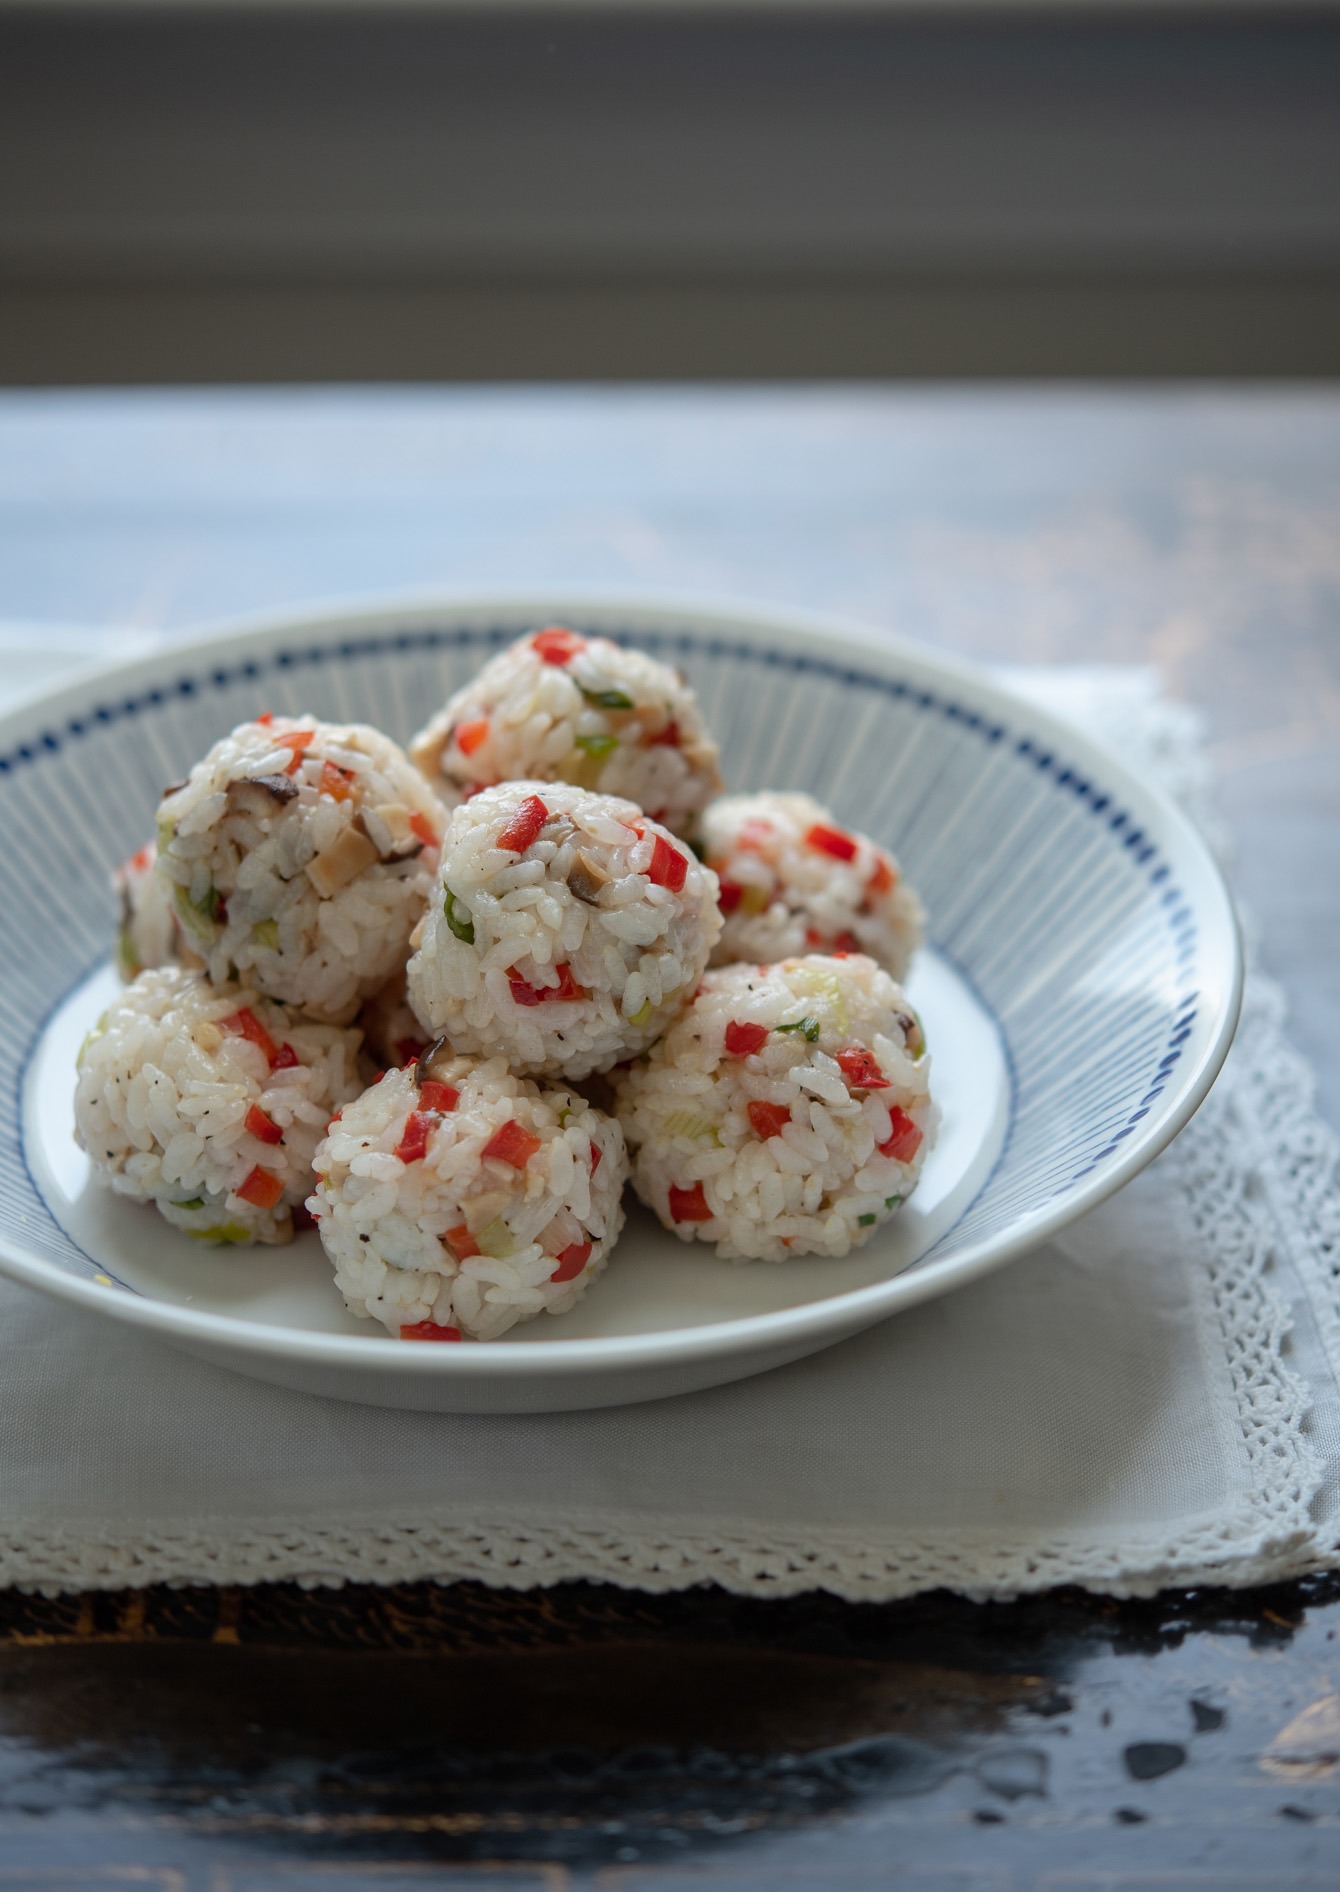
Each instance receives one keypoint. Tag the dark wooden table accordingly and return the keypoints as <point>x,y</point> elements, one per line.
<point>248,1741</point>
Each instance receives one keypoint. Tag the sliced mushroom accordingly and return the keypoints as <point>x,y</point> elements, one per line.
<point>432,1062</point>
<point>344,860</point>
<point>260,796</point>
<point>586,878</point>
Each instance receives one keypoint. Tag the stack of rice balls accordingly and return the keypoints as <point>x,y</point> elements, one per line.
<point>442,1004</point>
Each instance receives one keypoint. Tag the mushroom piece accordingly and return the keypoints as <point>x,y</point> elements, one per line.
<point>344,860</point>
<point>586,878</point>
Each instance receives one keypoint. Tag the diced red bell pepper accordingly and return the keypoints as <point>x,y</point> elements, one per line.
<point>904,1137</point>
<point>422,829</point>
<point>284,1059</point>
<point>525,824</point>
<point>472,735</point>
<point>461,1242</point>
<point>266,720</point>
<point>263,1188</point>
<point>511,1143</point>
<point>689,1205</point>
<point>524,993</point>
<point>244,1023</point>
<point>429,1330</point>
<point>846,944</point>
<point>336,782</point>
<point>742,1039</point>
<point>668,868</point>
<point>596,1154</point>
<point>831,841</point>
<point>571,1261</point>
<point>556,645</point>
<point>435,1096</point>
<point>768,1120</point>
<point>413,1145</point>
<point>730,896</point>
<point>299,741</point>
<point>883,879</point>
<point>754,834</point>
<point>303,1219</point>
<point>409,1050</point>
<point>667,739</point>
<point>262,1126</point>
<point>861,1070</point>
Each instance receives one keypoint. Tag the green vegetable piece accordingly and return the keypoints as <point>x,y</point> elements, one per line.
<point>127,960</point>
<point>866,1221</point>
<point>266,933</point>
<point>893,1202</point>
<point>807,1027</point>
<point>226,1233</point>
<point>497,1240</point>
<point>458,918</point>
<point>598,747</point>
<point>200,918</point>
<point>191,1202</point>
<point>642,1014</point>
<point>608,699</point>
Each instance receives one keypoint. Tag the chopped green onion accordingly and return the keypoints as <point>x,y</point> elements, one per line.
<point>598,747</point>
<point>866,1221</point>
<point>642,1014</point>
<point>807,1027</point>
<point>266,933</point>
<point>228,1233</point>
<point>497,1240</point>
<point>892,1202</point>
<point>608,699</point>
<point>191,1202</point>
<point>686,1123</point>
<point>458,918</point>
<point>199,917</point>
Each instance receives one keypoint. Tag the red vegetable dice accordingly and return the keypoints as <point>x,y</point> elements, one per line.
<point>461,1242</point>
<point>512,1143</point>
<point>904,1137</point>
<point>422,829</point>
<point>284,1059</point>
<point>472,735</point>
<point>435,1096</point>
<point>668,868</point>
<point>768,1120</point>
<point>525,824</point>
<point>689,1205</point>
<point>861,1070</point>
<point>667,739</point>
<point>742,1039</point>
<point>245,1024</point>
<point>262,1126</point>
<point>262,1188</point>
<point>523,993</point>
<point>571,1261</point>
<point>413,1144</point>
<point>730,896</point>
<point>883,878</point>
<point>429,1330</point>
<point>831,841</point>
<point>557,645</point>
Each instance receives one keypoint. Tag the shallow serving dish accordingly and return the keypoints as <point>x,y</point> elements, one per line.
<point>1079,992</point>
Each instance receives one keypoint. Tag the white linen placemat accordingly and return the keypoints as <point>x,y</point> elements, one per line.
<point>1150,1400</point>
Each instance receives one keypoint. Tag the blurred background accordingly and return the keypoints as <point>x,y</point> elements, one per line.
<point>192,190</point>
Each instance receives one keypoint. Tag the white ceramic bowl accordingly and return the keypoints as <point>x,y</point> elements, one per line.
<point>1080,988</point>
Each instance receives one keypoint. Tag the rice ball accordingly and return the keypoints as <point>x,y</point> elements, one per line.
<point>209,1103</point>
<point>794,881</point>
<point>559,707</point>
<point>786,1112</point>
<point>456,1199</point>
<point>299,855</point>
<point>566,932</point>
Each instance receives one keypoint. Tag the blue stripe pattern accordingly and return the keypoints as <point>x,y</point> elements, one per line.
<point>1032,875</point>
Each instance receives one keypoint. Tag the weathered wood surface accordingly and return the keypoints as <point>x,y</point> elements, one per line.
<point>231,1741</point>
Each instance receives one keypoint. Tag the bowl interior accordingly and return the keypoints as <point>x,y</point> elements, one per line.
<point>1071,908</point>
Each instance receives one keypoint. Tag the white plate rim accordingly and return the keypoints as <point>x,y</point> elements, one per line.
<point>820,1321</point>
